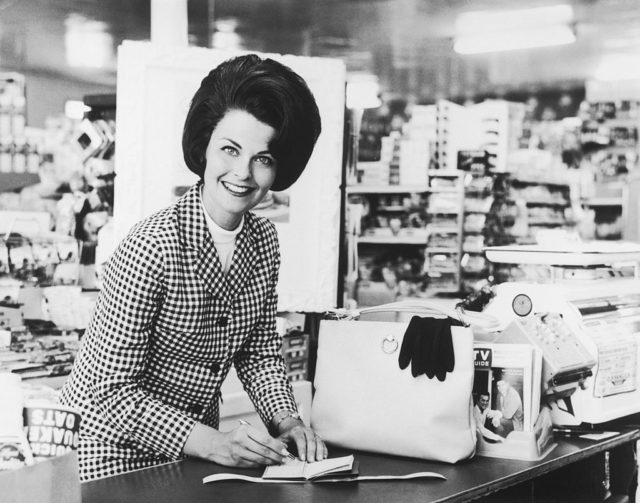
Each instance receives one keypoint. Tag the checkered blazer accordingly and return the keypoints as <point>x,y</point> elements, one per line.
<point>167,326</point>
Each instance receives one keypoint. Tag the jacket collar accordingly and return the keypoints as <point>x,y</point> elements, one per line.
<point>195,236</point>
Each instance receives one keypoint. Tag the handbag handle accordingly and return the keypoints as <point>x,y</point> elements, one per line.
<point>420,307</point>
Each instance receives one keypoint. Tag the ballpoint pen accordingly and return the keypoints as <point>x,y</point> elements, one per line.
<point>289,456</point>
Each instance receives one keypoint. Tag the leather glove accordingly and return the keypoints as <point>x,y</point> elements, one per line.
<point>428,346</point>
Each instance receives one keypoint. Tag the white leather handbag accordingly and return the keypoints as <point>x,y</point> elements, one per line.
<point>364,401</point>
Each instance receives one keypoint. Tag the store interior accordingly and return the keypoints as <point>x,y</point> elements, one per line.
<point>482,154</point>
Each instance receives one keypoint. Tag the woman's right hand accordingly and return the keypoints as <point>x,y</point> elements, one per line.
<point>244,446</point>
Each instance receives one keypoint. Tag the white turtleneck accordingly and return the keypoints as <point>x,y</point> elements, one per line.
<point>223,240</point>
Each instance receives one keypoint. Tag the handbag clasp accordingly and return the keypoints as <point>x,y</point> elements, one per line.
<point>389,344</point>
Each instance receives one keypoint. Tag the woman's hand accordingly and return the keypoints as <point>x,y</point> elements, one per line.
<point>244,446</point>
<point>310,446</point>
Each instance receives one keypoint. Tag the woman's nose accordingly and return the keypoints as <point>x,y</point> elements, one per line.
<point>242,168</point>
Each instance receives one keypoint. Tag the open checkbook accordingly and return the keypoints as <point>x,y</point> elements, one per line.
<point>341,469</point>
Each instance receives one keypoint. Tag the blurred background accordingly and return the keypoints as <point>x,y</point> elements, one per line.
<point>67,48</point>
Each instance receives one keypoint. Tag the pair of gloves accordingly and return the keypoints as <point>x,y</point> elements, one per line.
<point>427,345</point>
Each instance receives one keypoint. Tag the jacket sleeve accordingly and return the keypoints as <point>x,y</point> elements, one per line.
<point>259,363</point>
<point>118,347</point>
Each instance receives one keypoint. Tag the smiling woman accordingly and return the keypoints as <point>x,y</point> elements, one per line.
<point>191,291</point>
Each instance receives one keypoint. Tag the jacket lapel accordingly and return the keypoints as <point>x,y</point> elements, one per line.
<point>245,257</point>
<point>196,238</point>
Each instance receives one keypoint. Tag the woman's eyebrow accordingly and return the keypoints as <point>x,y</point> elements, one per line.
<point>235,143</point>
<point>239,147</point>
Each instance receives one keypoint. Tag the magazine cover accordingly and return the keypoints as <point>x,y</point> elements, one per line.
<point>506,393</point>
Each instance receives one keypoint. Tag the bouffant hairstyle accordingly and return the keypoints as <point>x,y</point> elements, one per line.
<point>273,94</point>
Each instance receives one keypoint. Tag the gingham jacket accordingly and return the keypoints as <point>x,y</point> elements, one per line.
<point>167,326</point>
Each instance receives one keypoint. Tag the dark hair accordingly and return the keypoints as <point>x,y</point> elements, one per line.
<point>273,94</point>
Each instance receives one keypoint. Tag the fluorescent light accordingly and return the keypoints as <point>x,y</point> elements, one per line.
<point>87,43</point>
<point>545,36</point>
<point>511,20</point>
<point>225,36</point>
<point>492,31</point>
<point>362,91</point>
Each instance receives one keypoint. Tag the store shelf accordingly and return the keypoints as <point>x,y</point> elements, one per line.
<point>442,249</point>
<point>442,211</point>
<point>548,223</point>
<point>603,201</point>
<point>442,230</point>
<point>446,173</point>
<point>391,208</point>
<point>564,204</point>
<point>399,240</point>
<point>386,189</point>
<point>578,254</point>
<point>529,181</point>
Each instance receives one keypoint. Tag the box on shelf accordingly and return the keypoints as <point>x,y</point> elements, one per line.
<point>295,351</point>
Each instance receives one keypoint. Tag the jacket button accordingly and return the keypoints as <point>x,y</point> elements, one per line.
<point>222,322</point>
<point>195,408</point>
<point>215,367</point>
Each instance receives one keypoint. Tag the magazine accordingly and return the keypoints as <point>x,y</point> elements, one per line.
<point>506,392</point>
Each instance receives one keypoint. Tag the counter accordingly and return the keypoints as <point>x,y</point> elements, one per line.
<point>182,481</point>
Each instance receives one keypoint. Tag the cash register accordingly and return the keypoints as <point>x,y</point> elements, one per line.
<point>593,365</point>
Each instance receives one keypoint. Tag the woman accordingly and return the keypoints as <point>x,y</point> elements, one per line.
<point>191,291</point>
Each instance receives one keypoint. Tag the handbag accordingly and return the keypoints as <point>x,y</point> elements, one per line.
<point>364,401</point>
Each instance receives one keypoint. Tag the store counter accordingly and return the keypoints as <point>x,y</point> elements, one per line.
<point>182,481</point>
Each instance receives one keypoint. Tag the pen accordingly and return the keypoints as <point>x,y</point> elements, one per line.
<point>574,432</point>
<point>290,456</point>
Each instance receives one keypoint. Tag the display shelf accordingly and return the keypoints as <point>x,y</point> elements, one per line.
<point>442,249</point>
<point>442,212</point>
<point>400,240</point>
<point>449,203</point>
<point>391,208</point>
<point>530,181</point>
<point>564,204</point>
<point>385,189</point>
<point>603,201</point>
<point>548,223</point>
<point>442,230</point>
<point>17,181</point>
<point>578,254</point>
<point>445,173</point>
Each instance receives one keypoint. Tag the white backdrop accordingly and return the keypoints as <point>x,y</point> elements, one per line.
<point>155,85</point>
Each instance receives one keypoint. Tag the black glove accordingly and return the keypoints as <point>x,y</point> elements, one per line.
<point>427,344</point>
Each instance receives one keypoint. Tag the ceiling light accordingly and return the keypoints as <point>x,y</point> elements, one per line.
<point>225,36</point>
<point>493,31</point>
<point>363,91</point>
<point>488,21</point>
<point>514,40</point>
<point>87,43</point>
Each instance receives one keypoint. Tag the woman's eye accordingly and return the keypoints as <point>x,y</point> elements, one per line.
<point>230,150</point>
<point>267,161</point>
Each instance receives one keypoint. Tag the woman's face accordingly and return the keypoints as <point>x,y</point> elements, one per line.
<point>239,170</point>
